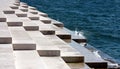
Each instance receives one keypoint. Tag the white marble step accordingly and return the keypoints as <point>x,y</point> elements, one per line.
<point>14,7</point>
<point>29,25</point>
<point>32,16</point>
<point>68,53</point>
<point>13,20</point>
<point>21,40</point>
<point>20,13</point>
<point>44,47</point>
<point>5,36</point>
<point>23,9</point>
<point>57,23</point>
<point>55,63</point>
<point>28,60</point>
<point>32,8</point>
<point>6,57</point>
<point>9,11</point>
<point>46,20</point>
<point>46,29</point>
<point>42,14</point>
<point>2,17</point>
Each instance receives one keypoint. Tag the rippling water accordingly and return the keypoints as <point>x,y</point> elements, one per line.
<point>99,20</point>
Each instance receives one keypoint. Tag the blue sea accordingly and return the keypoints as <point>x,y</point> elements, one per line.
<point>99,20</point>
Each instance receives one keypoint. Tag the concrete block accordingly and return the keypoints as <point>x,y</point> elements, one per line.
<point>21,40</point>
<point>28,60</point>
<point>6,57</point>
<point>5,36</point>
<point>45,20</point>
<point>2,17</point>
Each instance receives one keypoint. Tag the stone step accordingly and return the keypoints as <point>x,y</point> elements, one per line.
<point>20,13</point>
<point>55,63</point>
<point>91,59</point>
<point>32,8</point>
<point>23,9</point>
<point>48,51</point>
<point>46,29</point>
<point>63,34</point>
<point>14,7</point>
<point>78,66</point>
<point>42,14</point>
<point>9,11</point>
<point>77,36</point>
<point>29,25</point>
<point>17,4</point>
<point>13,20</point>
<point>24,6</point>
<point>57,23</point>
<point>2,17</point>
<point>21,40</point>
<point>5,36</point>
<point>72,57</point>
<point>45,20</point>
<point>33,11</point>
<point>68,53</point>
<point>6,57</point>
<point>32,16</point>
<point>28,60</point>
<point>44,47</point>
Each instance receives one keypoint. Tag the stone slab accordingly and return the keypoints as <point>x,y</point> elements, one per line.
<point>32,8</point>
<point>57,23</point>
<point>23,9</point>
<point>14,7</point>
<point>9,11</point>
<point>91,59</point>
<point>78,66</point>
<point>28,60</point>
<point>55,63</point>
<point>21,40</point>
<point>20,13</point>
<point>5,36</point>
<point>32,16</point>
<point>13,20</point>
<point>2,17</point>
<point>45,20</point>
<point>29,25</point>
<point>68,53</point>
<point>6,57</point>
<point>42,14</point>
<point>44,47</point>
<point>46,29</point>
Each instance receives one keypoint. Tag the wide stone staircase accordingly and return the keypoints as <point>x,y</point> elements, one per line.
<point>29,39</point>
